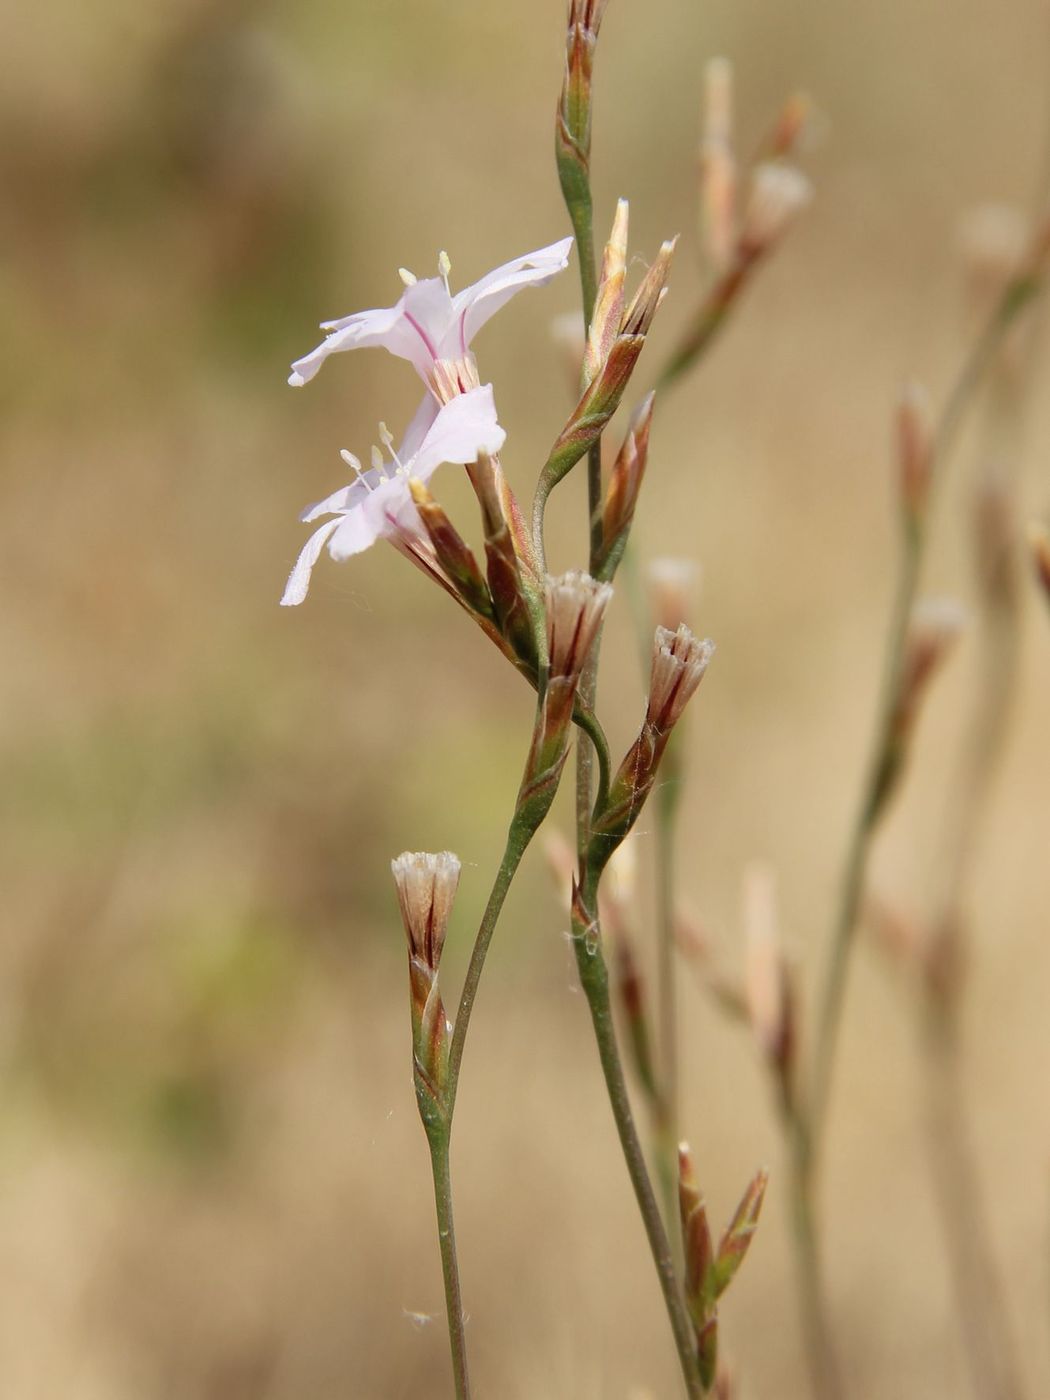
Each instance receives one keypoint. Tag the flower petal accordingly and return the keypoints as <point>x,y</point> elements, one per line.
<point>474,305</point>
<point>368,521</point>
<point>465,426</point>
<point>421,423</point>
<point>296,588</point>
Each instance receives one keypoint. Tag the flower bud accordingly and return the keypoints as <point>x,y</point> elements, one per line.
<point>573,128</point>
<point>426,886</point>
<point>679,663</point>
<point>698,1253</point>
<point>779,193</point>
<point>671,584</point>
<point>639,315</point>
<point>914,449</point>
<point>625,484</point>
<point>454,556</point>
<point>608,304</point>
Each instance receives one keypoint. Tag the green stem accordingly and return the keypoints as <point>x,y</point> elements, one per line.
<point>439,1160</point>
<point>594,978</point>
<point>820,1353</point>
<point>518,838</point>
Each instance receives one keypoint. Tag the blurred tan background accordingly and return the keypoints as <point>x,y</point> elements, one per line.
<point>214,1184</point>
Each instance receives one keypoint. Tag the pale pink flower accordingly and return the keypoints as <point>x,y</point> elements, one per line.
<point>429,326</point>
<point>378,502</point>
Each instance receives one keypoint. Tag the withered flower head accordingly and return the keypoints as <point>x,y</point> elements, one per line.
<point>426,886</point>
<point>679,663</point>
<point>576,604</point>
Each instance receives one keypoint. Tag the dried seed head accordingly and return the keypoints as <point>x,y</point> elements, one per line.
<point>914,447</point>
<point>679,663</point>
<point>993,241</point>
<point>1039,542</point>
<point>779,193</point>
<point>766,981</point>
<point>426,886</point>
<point>671,584</point>
<point>576,604</point>
<point>639,315</point>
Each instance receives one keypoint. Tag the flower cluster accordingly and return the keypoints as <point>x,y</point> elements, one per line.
<point>456,421</point>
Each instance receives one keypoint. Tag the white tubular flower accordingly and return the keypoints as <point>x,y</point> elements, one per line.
<point>429,326</point>
<point>378,503</point>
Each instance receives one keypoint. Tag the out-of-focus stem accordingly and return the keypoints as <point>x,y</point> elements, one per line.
<point>710,317</point>
<point>439,1158</point>
<point>1014,299</point>
<point>594,978</point>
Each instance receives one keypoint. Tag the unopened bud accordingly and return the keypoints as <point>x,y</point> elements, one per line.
<point>608,305</point>
<point>576,605</point>
<point>625,484</point>
<point>914,449</point>
<point>779,193</point>
<point>639,315</point>
<point>426,886</point>
<point>671,586</point>
<point>573,132</point>
<point>766,979</point>
<point>453,554</point>
<point>736,1241</point>
<point>679,663</point>
<point>1039,543</point>
<point>699,1256</point>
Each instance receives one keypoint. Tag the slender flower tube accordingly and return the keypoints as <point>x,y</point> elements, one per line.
<point>378,503</point>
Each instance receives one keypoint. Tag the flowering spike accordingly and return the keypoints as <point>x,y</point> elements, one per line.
<point>679,664</point>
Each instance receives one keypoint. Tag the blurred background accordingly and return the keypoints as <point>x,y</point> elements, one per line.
<point>214,1183</point>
